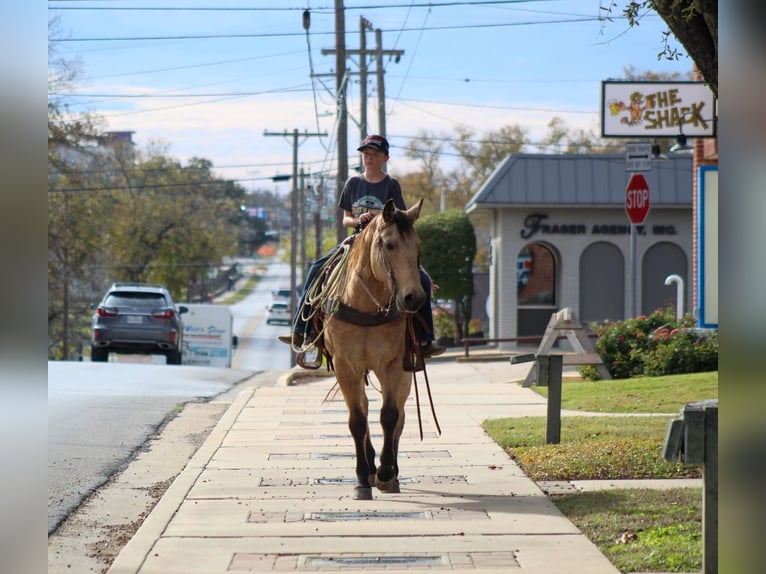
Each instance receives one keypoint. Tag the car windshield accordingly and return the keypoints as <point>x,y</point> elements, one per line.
<point>135,300</point>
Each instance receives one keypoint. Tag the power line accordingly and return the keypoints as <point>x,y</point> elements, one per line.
<point>329,33</point>
<point>280,9</point>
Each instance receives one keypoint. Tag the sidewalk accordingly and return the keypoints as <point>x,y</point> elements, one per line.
<point>270,490</point>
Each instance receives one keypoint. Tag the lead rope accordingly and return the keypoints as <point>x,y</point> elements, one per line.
<point>419,354</point>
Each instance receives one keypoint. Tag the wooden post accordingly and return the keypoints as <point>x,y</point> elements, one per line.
<point>549,369</point>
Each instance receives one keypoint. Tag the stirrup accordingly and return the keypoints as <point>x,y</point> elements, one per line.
<point>300,359</point>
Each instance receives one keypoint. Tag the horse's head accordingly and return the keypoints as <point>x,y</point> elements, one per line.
<point>396,255</point>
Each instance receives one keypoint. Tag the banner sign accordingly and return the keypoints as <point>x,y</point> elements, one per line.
<point>657,109</point>
<point>707,247</point>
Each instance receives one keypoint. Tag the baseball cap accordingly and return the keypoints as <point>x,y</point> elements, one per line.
<point>375,142</point>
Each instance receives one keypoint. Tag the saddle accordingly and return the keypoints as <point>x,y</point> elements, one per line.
<point>321,304</point>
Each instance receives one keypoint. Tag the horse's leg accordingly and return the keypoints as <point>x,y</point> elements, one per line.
<point>395,394</point>
<point>357,404</point>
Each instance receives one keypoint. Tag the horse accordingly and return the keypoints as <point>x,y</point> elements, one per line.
<point>366,330</point>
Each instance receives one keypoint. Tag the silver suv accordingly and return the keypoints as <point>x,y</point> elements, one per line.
<point>137,318</point>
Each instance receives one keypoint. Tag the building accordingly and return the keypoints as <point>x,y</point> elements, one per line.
<point>560,238</point>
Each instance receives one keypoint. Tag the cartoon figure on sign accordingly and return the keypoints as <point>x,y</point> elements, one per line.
<point>634,108</point>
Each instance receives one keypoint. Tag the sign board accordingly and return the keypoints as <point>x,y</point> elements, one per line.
<point>657,109</point>
<point>638,156</point>
<point>208,339</point>
<point>707,247</point>
<point>637,199</point>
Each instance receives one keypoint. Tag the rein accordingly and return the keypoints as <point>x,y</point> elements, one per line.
<point>419,355</point>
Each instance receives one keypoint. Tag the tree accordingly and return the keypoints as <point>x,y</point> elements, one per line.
<point>448,248</point>
<point>694,23</point>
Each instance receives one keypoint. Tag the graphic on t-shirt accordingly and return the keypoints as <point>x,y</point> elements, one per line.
<point>365,204</point>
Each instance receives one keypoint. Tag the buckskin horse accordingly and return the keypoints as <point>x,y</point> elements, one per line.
<point>368,310</point>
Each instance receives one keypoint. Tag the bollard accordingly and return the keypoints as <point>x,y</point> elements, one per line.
<point>694,437</point>
<point>549,374</point>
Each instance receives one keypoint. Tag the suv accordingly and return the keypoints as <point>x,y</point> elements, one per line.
<point>137,318</point>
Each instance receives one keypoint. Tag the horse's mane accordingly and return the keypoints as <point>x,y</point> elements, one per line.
<point>404,225</point>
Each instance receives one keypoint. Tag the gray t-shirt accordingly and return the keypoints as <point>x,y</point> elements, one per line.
<point>360,196</point>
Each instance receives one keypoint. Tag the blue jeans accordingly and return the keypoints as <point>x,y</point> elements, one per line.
<point>425,335</point>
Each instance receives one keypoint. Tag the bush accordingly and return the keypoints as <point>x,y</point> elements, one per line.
<point>654,345</point>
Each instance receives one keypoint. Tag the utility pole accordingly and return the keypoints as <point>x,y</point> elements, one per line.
<point>340,90</point>
<point>341,76</point>
<point>364,25</point>
<point>294,230</point>
<point>302,203</point>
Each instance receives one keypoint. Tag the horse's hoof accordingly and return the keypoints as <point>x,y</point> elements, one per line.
<point>390,487</point>
<point>362,493</point>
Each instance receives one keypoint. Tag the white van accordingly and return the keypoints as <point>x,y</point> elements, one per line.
<point>208,338</point>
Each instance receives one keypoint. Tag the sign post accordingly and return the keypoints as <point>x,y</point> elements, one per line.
<point>637,206</point>
<point>638,156</point>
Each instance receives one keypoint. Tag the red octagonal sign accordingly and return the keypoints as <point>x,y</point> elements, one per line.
<point>637,199</point>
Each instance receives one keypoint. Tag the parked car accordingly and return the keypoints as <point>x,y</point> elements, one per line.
<point>137,318</point>
<point>278,312</point>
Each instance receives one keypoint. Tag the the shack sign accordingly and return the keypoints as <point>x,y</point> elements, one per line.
<point>657,109</point>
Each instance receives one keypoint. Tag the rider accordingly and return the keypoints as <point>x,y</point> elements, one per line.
<point>363,197</point>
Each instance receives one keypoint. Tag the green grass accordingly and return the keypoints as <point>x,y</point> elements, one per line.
<point>639,530</point>
<point>637,395</point>
<point>247,288</point>
<point>591,448</point>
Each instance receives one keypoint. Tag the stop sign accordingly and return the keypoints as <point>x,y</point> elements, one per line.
<point>637,199</point>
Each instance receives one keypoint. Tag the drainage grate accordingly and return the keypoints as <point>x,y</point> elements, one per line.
<point>346,516</point>
<point>481,561</point>
<point>337,481</point>
<point>346,561</point>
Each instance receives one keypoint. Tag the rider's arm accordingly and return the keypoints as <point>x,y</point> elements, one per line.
<point>350,221</point>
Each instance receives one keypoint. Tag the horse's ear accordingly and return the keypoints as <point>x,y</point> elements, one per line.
<point>388,210</point>
<point>414,211</point>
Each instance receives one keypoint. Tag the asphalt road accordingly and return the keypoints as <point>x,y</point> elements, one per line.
<point>100,413</point>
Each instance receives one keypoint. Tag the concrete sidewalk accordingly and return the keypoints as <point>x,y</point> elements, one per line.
<point>270,490</point>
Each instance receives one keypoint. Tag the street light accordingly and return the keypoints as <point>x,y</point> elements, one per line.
<point>682,144</point>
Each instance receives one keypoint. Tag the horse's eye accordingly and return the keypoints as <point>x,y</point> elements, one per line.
<point>390,245</point>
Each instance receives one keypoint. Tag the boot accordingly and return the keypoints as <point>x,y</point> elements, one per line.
<point>294,339</point>
<point>430,349</point>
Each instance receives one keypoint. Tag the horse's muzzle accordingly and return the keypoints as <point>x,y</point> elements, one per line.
<point>411,301</point>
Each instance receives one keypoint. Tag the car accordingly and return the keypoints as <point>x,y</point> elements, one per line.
<point>137,318</point>
<point>283,293</point>
<point>278,312</point>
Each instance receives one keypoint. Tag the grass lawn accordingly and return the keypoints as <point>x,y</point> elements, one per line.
<point>637,529</point>
<point>637,395</point>
<point>641,530</point>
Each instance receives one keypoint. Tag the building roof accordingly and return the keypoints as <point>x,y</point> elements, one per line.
<point>581,180</point>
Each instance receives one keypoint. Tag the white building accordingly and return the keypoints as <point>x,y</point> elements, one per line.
<point>560,238</point>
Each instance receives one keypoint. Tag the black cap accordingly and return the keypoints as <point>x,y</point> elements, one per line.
<point>375,142</point>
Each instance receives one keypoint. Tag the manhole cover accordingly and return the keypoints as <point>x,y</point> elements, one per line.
<point>344,516</point>
<point>346,561</point>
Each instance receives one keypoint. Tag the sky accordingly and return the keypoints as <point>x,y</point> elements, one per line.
<point>209,78</point>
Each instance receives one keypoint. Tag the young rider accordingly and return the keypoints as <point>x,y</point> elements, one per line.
<point>363,197</point>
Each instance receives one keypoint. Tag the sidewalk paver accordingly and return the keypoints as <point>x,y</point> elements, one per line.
<point>270,490</point>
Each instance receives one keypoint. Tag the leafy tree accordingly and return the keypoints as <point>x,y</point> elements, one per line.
<point>693,22</point>
<point>448,248</point>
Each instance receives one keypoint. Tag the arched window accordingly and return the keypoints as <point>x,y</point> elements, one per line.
<point>602,283</point>
<point>535,288</point>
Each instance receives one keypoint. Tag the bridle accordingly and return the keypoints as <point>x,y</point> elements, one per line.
<point>381,254</point>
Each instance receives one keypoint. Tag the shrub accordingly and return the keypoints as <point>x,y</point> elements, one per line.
<point>654,345</point>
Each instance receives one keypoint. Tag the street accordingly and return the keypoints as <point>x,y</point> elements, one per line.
<point>100,414</point>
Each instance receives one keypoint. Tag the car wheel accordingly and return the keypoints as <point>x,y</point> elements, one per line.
<point>99,354</point>
<point>173,357</point>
